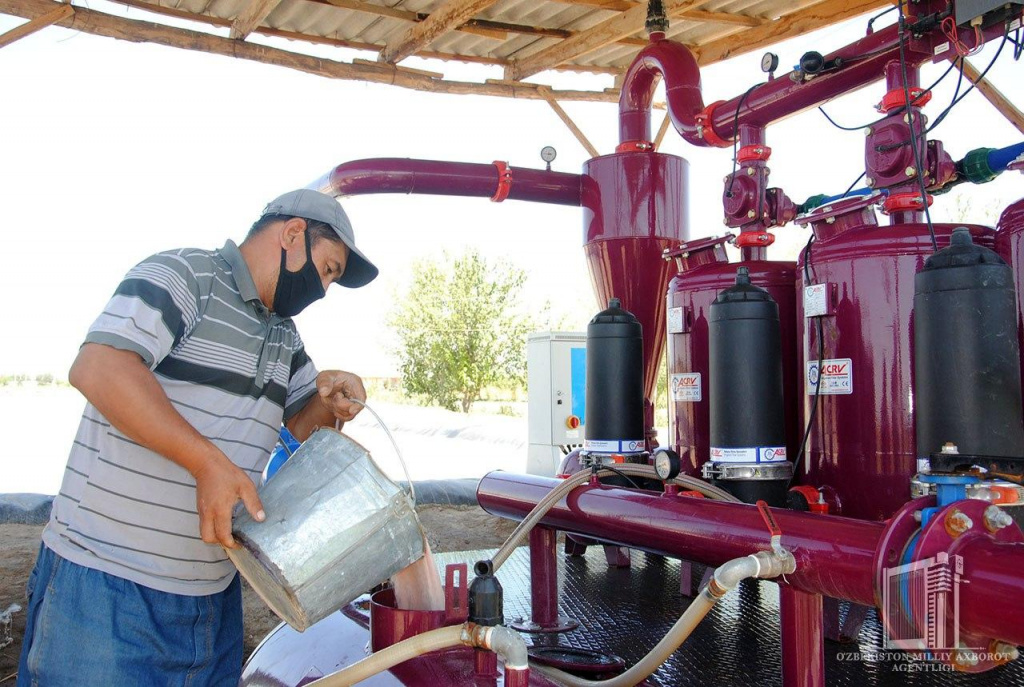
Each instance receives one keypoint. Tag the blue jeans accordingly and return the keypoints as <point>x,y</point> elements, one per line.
<point>85,627</point>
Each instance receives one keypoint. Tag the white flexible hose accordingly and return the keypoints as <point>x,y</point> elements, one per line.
<point>388,658</point>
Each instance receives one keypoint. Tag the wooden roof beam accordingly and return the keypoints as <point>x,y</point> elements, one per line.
<point>251,16</point>
<point>690,15</point>
<point>136,31</point>
<point>58,13</point>
<point>621,26</point>
<point>450,15</point>
<point>786,26</point>
<point>339,42</point>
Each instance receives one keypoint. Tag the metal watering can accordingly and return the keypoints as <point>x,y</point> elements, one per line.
<point>336,526</point>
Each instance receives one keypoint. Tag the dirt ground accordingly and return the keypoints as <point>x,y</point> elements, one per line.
<point>448,528</point>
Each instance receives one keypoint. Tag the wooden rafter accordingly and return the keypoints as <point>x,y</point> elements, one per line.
<point>451,14</point>
<point>251,16</point>
<point>58,13</point>
<point>787,26</point>
<point>662,130</point>
<point>567,120</point>
<point>690,15</point>
<point>609,31</point>
<point>136,31</point>
<point>487,28</point>
<point>339,42</point>
<point>995,97</point>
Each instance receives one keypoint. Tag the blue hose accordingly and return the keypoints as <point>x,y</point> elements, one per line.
<point>999,159</point>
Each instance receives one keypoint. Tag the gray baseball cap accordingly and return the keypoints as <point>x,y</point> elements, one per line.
<point>310,204</point>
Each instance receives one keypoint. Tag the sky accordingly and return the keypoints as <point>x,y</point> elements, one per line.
<point>111,151</point>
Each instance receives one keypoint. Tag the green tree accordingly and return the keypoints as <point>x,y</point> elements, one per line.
<point>460,329</point>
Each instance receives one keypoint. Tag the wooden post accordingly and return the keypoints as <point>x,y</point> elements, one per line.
<point>55,15</point>
<point>567,120</point>
<point>662,130</point>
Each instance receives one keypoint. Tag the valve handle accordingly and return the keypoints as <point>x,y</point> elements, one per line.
<point>773,527</point>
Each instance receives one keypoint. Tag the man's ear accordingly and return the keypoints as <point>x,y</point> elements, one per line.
<point>292,232</point>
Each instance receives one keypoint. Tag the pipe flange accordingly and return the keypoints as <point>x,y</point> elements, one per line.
<point>900,529</point>
<point>946,533</point>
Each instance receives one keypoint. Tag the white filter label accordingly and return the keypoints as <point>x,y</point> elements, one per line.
<point>753,454</point>
<point>816,300</point>
<point>612,446</point>
<point>686,387</point>
<point>835,377</point>
<point>675,320</point>
<point>943,47</point>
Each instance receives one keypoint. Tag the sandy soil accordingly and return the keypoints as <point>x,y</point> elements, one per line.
<point>448,529</point>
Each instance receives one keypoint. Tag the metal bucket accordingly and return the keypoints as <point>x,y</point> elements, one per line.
<point>336,526</point>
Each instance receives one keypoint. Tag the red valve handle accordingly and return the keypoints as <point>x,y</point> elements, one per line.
<point>769,519</point>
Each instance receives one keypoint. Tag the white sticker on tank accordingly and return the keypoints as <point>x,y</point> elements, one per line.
<point>675,321</point>
<point>686,387</point>
<point>816,300</point>
<point>835,376</point>
<point>754,454</point>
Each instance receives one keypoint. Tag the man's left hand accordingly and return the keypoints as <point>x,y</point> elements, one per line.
<point>336,388</point>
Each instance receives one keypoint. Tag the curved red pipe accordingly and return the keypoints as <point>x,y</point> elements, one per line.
<point>674,63</point>
<point>435,177</point>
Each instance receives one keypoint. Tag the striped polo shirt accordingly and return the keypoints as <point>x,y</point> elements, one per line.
<point>230,367</point>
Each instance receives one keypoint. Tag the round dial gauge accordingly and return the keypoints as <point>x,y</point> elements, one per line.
<point>769,62</point>
<point>548,154</point>
<point>666,463</point>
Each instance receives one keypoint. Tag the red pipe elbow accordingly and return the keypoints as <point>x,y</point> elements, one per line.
<point>674,63</point>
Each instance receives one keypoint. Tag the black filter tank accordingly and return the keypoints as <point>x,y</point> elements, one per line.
<point>748,431</point>
<point>966,356</point>
<point>615,383</point>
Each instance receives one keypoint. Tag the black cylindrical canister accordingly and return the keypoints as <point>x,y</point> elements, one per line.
<point>967,388</point>
<point>615,383</point>
<point>747,414</point>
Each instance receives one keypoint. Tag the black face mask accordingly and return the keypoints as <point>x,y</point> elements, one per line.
<point>296,290</point>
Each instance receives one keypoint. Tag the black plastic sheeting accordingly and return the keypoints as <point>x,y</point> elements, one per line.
<point>34,509</point>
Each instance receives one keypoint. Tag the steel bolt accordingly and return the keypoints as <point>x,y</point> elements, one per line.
<point>996,518</point>
<point>950,448</point>
<point>1005,652</point>
<point>918,516</point>
<point>910,171</point>
<point>830,220</point>
<point>870,182</point>
<point>750,171</point>
<point>957,522</point>
<point>751,214</point>
<point>868,131</point>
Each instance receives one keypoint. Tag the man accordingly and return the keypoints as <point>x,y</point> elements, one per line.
<point>189,373</point>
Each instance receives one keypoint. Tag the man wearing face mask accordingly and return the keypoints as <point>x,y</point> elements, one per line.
<point>189,372</point>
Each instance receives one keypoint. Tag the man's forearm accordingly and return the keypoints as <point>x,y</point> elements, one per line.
<point>125,391</point>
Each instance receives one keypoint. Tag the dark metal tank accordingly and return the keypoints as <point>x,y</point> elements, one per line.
<point>966,353</point>
<point>862,448</point>
<point>703,271</point>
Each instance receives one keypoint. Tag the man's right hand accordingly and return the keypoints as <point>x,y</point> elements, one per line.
<point>219,486</point>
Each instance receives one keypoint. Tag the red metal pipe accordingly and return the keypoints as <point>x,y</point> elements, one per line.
<point>838,564</point>
<point>989,603</point>
<point>436,177</point>
<point>834,555</point>
<point>777,99</point>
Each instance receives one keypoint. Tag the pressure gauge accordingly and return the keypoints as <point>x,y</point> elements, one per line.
<point>548,154</point>
<point>769,62</point>
<point>667,463</point>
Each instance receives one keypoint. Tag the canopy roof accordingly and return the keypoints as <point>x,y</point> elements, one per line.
<point>525,37</point>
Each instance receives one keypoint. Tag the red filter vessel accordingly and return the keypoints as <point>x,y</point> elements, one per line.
<point>704,271</point>
<point>1010,246</point>
<point>634,208</point>
<point>862,449</point>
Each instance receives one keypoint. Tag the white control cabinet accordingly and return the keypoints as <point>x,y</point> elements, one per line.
<point>556,374</point>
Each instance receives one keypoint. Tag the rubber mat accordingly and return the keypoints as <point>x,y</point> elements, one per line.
<point>626,611</point>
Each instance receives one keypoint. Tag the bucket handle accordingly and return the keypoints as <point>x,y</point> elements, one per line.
<point>398,451</point>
